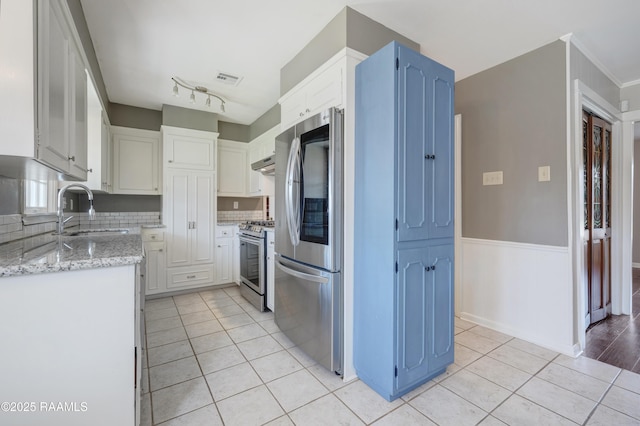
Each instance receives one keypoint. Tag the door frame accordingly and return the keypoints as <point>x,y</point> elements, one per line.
<point>621,205</point>
<point>457,177</point>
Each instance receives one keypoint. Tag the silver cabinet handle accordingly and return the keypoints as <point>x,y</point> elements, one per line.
<point>190,277</point>
<point>72,158</point>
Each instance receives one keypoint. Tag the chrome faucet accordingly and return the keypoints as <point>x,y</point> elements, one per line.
<point>61,219</point>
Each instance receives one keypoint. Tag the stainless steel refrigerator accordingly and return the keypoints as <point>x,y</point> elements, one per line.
<point>308,238</point>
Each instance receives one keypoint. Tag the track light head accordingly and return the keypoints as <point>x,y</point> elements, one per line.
<point>200,89</point>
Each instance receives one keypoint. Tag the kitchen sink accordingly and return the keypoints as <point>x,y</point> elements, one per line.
<point>95,232</point>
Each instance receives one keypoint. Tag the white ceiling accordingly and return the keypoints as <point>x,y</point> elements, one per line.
<point>141,44</point>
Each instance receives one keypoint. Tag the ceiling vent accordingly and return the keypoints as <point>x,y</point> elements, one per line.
<point>228,79</point>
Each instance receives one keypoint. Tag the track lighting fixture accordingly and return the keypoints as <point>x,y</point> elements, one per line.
<point>200,89</point>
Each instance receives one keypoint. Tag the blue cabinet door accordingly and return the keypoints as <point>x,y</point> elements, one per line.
<point>440,309</point>
<point>403,238</point>
<point>424,307</point>
<point>425,147</point>
<point>412,310</point>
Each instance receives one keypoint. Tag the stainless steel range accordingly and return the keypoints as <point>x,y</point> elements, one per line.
<point>253,265</point>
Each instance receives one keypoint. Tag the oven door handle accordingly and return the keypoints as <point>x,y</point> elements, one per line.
<point>302,275</point>
<point>250,240</point>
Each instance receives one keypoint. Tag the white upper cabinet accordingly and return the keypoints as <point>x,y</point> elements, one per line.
<point>232,168</point>
<point>189,149</point>
<point>98,144</point>
<point>321,90</point>
<point>43,98</point>
<point>261,147</point>
<point>136,161</point>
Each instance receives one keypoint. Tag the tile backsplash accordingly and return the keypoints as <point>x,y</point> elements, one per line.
<point>12,227</point>
<point>239,215</point>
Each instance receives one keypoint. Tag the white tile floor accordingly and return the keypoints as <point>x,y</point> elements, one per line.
<point>212,359</point>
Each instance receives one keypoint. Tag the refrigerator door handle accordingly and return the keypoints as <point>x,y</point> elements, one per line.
<point>292,175</point>
<point>302,275</point>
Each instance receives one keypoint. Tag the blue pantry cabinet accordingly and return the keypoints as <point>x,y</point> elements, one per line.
<point>403,276</point>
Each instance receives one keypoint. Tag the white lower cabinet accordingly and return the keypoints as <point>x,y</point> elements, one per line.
<point>154,249</point>
<point>77,343</point>
<point>227,254</point>
<point>190,277</point>
<point>189,213</point>
<point>270,270</point>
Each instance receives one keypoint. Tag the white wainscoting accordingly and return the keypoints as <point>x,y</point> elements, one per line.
<point>523,290</point>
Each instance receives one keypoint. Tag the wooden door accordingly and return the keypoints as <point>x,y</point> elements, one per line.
<point>597,216</point>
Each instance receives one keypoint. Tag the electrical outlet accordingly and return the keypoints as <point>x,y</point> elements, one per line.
<point>544,174</point>
<point>235,205</point>
<point>492,178</point>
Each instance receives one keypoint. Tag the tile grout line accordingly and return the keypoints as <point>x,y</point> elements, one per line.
<point>333,392</point>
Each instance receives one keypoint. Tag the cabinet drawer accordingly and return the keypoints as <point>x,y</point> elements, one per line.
<point>189,276</point>
<point>155,235</point>
<point>153,246</point>
<point>224,232</point>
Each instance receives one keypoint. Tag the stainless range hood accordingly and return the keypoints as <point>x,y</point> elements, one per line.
<point>266,166</point>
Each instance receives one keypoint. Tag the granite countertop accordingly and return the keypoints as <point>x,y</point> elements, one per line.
<point>52,253</point>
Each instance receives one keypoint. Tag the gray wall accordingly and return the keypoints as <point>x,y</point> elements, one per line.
<point>233,131</point>
<point>265,122</point>
<point>514,120</point>
<point>347,29</point>
<point>583,69</point>
<point>189,118</point>
<point>9,196</point>
<point>368,36</point>
<point>137,118</point>
<point>87,44</point>
<point>632,94</point>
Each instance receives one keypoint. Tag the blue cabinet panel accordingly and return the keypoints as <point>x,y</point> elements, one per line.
<point>440,306</point>
<point>412,307</point>
<point>403,254</point>
<point>424,312</point>
<point>425,163</point>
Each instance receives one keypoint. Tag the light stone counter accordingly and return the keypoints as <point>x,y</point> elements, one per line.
<point>53,253</point>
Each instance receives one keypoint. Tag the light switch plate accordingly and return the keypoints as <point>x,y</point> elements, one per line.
<point>544,174</point>
<point>492,178</point>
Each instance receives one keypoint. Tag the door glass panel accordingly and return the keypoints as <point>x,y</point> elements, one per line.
<point>250,262</point>
<point>314,188</point>
<point>585,166</point>
<point>597,177</point>
<point>607,140</point>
